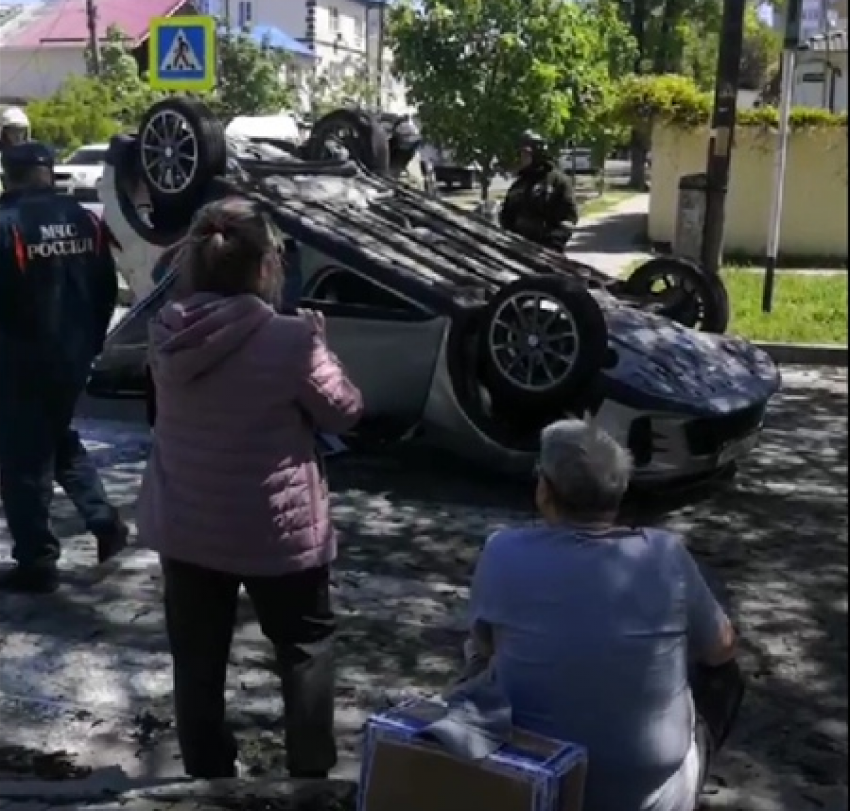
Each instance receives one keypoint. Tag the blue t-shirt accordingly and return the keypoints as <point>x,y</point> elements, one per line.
<point>593,635</point>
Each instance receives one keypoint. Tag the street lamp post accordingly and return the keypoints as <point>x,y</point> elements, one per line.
<point>787,77</point>
<point>722,132</point>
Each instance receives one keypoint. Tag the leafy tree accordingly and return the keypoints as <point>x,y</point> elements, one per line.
<point>356,87</point>
<point>762,51</point>
<point>250,78</point>
<point>119,72</point>
<point>482,71</point>
<point>79,112</point>
<point>93,108</point>
<point>682,37</point>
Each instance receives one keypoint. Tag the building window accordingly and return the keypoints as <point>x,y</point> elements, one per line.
<point>245,13</point>
<point>334,20</point>
<point>359,32</point>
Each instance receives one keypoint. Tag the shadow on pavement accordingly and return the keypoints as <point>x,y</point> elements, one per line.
<point>776,539</point>
<point>616,233</point>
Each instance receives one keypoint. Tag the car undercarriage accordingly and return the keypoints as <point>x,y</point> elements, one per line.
<point>454,328</point>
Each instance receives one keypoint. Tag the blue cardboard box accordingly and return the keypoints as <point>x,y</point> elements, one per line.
<point>403,772</point>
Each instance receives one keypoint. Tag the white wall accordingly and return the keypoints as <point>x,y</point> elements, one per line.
<point>809,87</point>
<point>287,15</point>
<point>345,40</point>
<point>38,73</point>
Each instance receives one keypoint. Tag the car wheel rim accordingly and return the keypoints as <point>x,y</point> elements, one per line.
<point>678,296</point>
<point>341,135</point>
<point>534,341</point>
<point>169,152</point>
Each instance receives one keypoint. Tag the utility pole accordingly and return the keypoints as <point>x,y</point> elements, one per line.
<point>94,44</point>
<point>382,19</point>
<point>722,133</point>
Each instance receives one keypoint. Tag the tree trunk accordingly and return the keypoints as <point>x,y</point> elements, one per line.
<point>486,182</point>
<point>637,148</point>
<point>665,57</point>
<point>637,156</point>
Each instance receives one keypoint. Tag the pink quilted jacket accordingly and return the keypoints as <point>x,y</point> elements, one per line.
<point>232,482</point>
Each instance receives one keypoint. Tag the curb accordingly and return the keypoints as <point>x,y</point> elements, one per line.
<point>806,354</point>
<point>57,794</point>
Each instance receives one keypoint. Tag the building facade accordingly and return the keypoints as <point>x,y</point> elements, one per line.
<point>820,77</point>
<point>43,43</point>
<point>346,37</point>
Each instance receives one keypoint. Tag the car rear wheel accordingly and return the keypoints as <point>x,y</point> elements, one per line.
<point>683,292</point>
<point>360,133</point>
<point>182,146</point>
<point>543,341</point>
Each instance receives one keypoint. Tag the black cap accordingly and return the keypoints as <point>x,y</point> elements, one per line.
<point>26,154</point>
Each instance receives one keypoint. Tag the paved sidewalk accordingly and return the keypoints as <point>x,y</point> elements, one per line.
<point>610,242</point>
<point>85,675</point>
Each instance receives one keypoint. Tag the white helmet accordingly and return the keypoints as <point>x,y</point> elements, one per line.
<point>15,117</point>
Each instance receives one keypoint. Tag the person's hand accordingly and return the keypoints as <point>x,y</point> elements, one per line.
<point>316,321</point>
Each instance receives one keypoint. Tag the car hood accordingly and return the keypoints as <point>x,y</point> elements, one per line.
<point>661,363</point>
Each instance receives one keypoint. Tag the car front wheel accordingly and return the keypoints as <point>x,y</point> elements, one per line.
<point>543,341</point>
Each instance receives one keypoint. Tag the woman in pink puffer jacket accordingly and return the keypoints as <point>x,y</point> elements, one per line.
<point>234,494</point>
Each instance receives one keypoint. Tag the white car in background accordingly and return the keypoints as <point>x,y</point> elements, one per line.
<point>576,160</point>
<point>80,173</point>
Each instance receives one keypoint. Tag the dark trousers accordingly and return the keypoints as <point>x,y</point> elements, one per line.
<point>37,446</point>
<point>295,615</point>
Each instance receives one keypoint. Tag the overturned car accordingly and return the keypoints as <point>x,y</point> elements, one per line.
<point>454,330</point>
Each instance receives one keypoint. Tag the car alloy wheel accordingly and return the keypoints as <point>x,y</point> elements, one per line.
<point>181,148</point>
<point>543,340</point>
<point>534,340</point>
<point>170,153</point>
<point>683,292</point>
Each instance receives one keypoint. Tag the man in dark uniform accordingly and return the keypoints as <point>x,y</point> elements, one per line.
<point>541,204</point>
<point>58,290</point>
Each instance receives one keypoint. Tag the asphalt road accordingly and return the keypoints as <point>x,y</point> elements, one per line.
<point>86,672</point>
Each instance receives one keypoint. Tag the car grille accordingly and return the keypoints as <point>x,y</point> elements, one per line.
<point>709,435</point>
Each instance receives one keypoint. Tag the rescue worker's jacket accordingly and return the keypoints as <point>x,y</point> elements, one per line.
<point>541,206</point>
<point>58,290</point>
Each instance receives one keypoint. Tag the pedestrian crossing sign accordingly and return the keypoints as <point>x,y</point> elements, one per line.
<point>182,53</point>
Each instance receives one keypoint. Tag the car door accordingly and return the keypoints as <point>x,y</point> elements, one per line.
<point>120,371</point>
<point>387,344</point>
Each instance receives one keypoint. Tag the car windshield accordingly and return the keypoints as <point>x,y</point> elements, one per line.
<point>88,156</point>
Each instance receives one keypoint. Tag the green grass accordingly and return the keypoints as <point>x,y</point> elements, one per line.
<point>604,203</point>
<point>807,308</point>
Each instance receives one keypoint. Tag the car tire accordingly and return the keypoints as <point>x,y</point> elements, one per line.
<point>582,339</point>
<point>358,131</point>
<point>199,135</point>
<point>709,308</point>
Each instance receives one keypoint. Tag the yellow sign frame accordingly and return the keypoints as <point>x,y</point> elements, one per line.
<point>158,25</point>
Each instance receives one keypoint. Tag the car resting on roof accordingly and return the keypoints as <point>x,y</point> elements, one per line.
<point>469,336</point>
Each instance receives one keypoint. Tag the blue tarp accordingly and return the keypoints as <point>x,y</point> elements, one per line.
<point>275,38</point>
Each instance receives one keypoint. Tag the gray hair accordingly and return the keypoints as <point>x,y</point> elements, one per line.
<point>587,469</point>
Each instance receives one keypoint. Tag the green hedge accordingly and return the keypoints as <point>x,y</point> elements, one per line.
<point>676,100</point>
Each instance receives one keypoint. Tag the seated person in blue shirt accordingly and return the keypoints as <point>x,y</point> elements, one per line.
<point>592,629</point>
